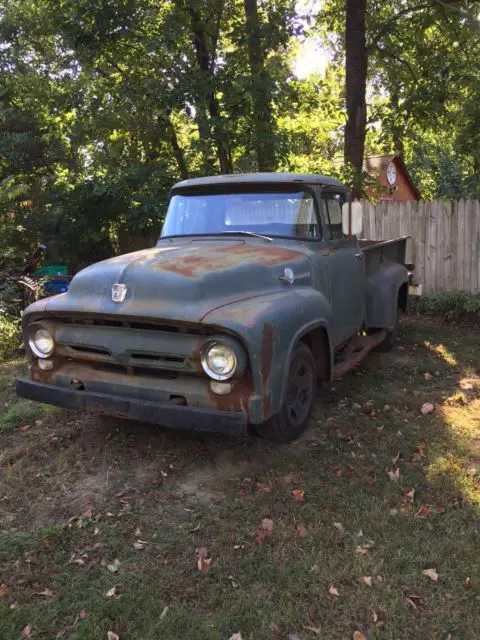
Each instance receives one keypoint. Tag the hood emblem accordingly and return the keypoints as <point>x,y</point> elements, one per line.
<point>119,291</point>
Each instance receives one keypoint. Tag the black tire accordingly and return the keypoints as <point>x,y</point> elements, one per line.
<point>389,342</point>
<point>293,418</point>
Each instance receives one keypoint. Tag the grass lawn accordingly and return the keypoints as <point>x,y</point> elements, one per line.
<point>100,523</point>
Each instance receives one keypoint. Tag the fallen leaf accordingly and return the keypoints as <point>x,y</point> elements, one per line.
<point>468,584</point>
<point>315,630</point>
<point>339,527</point>
<point>394,475</point>
<point>203,563</point>
<point>233,582</point>
<point>3,590</point>
<point>138,533</point>
<point>140,544</point>
<point>365,548</point>
<point>431,573</point>
<point>82,614</point>
<point>427,408</point>
<point>27,631</point>
<point>298,495</point>
<point>302,532</point>
<point>236,636</point>
<point>47,593</point>
<point>423,512</point>
<point>333,591</point>
<point>312,614</point>
<point>111,592</point>
<point>416,605</point>
<point>164,612</point>
<point>273,627</point>
<point>114,566</point>
<point>419,453</point>
<point>427,376</point>
<point>366,580</point>
<point>358,635</point>
<point>397,457</point>
<point>112,636</point>
<point>408,495</point>
<point>265,530</point>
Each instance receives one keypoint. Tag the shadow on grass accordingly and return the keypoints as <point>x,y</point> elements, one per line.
<point>181,491</point>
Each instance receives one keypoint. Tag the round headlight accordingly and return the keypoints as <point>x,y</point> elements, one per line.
<point>41,343</point>
<point>219,361</point>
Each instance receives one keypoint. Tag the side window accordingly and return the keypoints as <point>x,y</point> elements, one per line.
<point>333,213</point>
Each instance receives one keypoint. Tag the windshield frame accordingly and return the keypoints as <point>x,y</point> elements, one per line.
<point>248,188</point>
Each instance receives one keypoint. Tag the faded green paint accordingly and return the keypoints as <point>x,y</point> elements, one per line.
<point>188,290</point>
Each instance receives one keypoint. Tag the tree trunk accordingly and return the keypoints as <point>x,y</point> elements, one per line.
<point>260,90</point>
<point>205,63</point>
<point>176,148</point>
<point>356,63</point>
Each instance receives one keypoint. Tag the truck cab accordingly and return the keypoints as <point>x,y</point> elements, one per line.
<point>258,288</point>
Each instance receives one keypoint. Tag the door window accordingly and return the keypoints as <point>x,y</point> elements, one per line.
<point>333,215</point>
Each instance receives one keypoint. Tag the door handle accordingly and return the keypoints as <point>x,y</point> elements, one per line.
<point>359,255</point>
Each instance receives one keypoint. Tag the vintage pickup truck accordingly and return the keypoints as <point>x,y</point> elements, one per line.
<point>257,290</point>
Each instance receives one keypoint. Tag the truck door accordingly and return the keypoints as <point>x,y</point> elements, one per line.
<point>345,265</point>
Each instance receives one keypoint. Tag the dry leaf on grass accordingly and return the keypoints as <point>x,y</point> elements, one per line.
<point>112,593</point>
<point>273,627</point>
<point>431,573</point>
<point>339,527</point>
<point>423,512</point>
<point>3,590</point>
<point>397,457</point>
<point>203,563</point>
<point>112,636</point>
<point>394,475</point>
<point>358,635</point>
<point>46,593</point>
<point>82,614</point>
<point>315,630</point>
<point>114,566</point>
<point>298,495</point>
<point>140,544</point>
<point>416,605</point>
<point>468,584</point>
<point>236,636</point>
<point>408,495</point>
<point>27,631</point>
<point>265,530</point>
<point>333,591</point>
<point>302,532</point>
<point>365,548</point>
<point>427,408</point>
<point>366,580</point>
<point>164,612</point>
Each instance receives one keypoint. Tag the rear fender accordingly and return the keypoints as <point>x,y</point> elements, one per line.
<point>270,326</point>
<point>383,288</point>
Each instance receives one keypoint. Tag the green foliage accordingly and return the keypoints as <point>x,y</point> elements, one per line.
<point>454,305</point>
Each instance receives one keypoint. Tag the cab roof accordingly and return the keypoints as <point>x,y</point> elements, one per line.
<point>259,178</point>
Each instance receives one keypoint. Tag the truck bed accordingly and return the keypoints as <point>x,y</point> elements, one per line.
<point>378,251</point>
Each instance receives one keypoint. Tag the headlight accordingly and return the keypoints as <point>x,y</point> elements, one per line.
<point>219,361</point>
<point>41,343</point>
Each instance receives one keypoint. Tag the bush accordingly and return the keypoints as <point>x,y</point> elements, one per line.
<point>10,335</point>
<point>452,305</point>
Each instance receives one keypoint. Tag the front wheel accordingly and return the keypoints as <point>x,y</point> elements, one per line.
<point>293,418</point>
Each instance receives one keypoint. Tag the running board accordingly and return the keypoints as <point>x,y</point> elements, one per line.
<point>362,346</point>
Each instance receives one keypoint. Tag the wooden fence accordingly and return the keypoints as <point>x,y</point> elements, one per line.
<point>445,239</point>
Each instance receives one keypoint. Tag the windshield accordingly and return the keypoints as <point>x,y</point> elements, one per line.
<point>270,214</point>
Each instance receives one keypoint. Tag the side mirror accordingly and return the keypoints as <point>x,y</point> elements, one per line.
<point>357,218</point>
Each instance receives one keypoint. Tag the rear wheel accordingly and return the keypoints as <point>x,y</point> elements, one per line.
<point>293,418</point>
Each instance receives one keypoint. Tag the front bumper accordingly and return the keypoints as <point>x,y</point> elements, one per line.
<point>163,413</point>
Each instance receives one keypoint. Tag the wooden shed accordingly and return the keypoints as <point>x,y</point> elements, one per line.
<point>395,184</point>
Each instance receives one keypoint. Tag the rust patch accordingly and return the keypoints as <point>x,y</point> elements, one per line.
<point>266,356</point>
<point>225,257</point>
<point>237,400</point>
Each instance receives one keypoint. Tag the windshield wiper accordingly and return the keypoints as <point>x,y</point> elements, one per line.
<point>245,233</point>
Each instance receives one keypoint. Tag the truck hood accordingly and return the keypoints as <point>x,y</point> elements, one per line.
<point>182,281</point>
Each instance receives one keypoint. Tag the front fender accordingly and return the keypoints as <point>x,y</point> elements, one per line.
<point>382,294</point>
<point>270,326</point>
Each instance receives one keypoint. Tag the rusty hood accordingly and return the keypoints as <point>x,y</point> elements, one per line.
<point>179,281</point>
